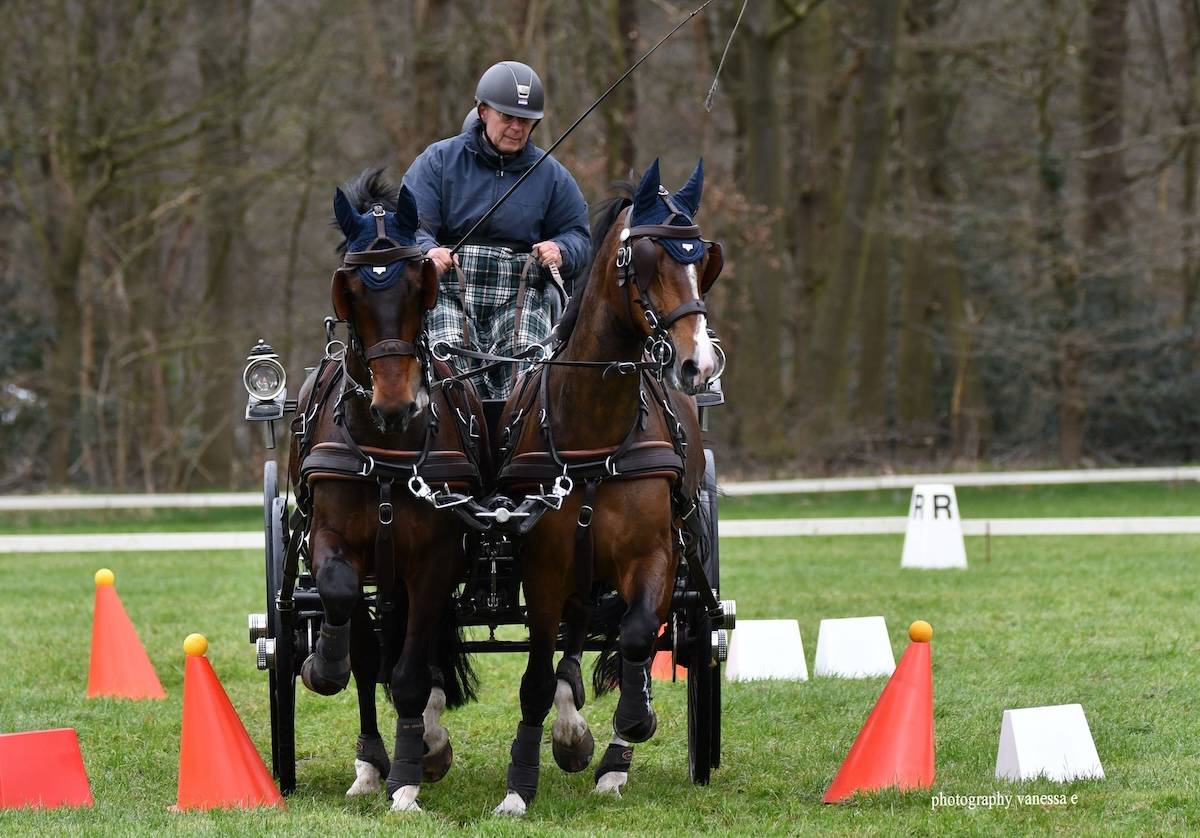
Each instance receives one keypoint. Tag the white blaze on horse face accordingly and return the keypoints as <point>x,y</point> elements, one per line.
<point>704,356</point>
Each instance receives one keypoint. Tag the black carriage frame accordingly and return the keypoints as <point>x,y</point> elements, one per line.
<point>286,632</point>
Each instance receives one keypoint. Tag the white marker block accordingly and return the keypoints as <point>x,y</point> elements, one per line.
<point>854,647</point>
<point>934,536</point>
<point>1053,742</point>
<point>761,649</point>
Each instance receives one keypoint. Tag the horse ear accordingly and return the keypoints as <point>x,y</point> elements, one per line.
<point>429,284</point>
<point>340,296</point>
<point>646,196</point>
<point>712,267</point>
<point>406,212</point>
<point>689,195</point>
<point>347,218</point>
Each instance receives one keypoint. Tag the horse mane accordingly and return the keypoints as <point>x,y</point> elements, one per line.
<point>605,215</point>
<point>365,190</point>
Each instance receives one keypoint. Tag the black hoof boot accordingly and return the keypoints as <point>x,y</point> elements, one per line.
<point>327,670</point>
<point>371,749</point>
<point>576,759</point>
<point>435,766</point>
<point>634,719</point>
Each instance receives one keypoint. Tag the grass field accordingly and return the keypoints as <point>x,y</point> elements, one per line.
<point>1110,622</point>
<point>974,502</point>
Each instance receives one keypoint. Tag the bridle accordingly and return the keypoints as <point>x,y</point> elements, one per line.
<point>637,265</point>
<point>379,259</point>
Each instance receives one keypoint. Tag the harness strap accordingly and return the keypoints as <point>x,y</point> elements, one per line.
<point>462,297</point>
<point>584,559</point>
<point>522,286</point>
<point>391,347</point>
<point>385,569</point>
<point>695,306</point>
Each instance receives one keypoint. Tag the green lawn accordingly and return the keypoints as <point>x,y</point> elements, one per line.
<point>1066,501</point>
<point>999,502</point>
<point>1110,622</point>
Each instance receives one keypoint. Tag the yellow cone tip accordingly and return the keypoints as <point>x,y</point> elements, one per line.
<point>104,576</point>
<point>920,632</point>
<point>195,645</point>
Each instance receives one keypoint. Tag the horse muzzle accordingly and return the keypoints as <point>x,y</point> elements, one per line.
<point>396,416</point>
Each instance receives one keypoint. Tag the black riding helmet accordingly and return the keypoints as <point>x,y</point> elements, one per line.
<point>512,88</point>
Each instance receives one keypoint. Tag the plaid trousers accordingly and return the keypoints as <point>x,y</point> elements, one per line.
<point>490,311</point>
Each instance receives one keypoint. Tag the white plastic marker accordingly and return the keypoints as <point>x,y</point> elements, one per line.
<point>854,647</point>
<point>934,536</point>
<point>761,649</point>
<point>1053,742</point>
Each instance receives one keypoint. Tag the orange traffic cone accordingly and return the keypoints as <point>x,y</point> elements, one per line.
<point>119,666</point>
<point>42,769</point>
<point>661,669</point>
<point>895,745</point>
<point>218,764</point>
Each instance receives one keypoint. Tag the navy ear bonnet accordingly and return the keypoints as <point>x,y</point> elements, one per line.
<point>364,231</point>
<point>654,204</point>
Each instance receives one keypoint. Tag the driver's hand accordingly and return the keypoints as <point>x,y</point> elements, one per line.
<point>547,254</point>
<point>442,259</point>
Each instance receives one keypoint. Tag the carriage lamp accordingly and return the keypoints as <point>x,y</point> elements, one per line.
<point>264,377</point>
<point>266,384</point>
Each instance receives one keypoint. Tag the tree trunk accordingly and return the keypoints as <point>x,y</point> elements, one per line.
<point>223,46</point>
<point>862,197</point>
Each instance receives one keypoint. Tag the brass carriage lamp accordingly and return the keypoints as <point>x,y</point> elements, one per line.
<point>266,383</point>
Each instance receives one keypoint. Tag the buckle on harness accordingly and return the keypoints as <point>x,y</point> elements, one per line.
<point>368,467</point>
<point>385,509</point>
<point>417,485</point>
<point>585,516</point>
<point>610,466</point>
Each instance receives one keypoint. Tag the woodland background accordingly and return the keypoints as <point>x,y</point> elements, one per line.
<point>958,232</point>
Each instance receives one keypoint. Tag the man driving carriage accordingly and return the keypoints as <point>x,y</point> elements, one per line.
<point>497,293</point>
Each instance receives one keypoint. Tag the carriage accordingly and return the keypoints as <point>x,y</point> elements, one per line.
<point>488,594</point>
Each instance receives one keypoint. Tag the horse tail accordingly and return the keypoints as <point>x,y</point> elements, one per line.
<point>458,673</point>
<point>606,623</point>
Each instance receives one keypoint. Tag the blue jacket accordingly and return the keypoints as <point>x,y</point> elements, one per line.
<point>456,180</point>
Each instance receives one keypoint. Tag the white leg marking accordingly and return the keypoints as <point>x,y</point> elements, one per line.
<point>512,805</point>
<point>705,356</point>
<point>405,799</point>
<point>366,779</point>
<point>436,736</point>
<point>613,781</point>
<point>569,725</point>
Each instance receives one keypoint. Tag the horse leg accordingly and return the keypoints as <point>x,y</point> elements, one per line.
<point>537,694</point>
<point>327,670</point>
<point>613,771</point>
<point>634,719</point>
<point>411,682</point>
<point>439,755</point>
<point>571,740</point>
<point>371,761</point>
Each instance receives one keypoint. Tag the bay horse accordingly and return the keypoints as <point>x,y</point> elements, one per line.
<point>374,414</point>
<point>600,417</point>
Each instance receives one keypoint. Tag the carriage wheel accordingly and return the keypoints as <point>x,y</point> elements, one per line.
<point>700,713</point>
<point>712,569</point>
<point>282,676</point>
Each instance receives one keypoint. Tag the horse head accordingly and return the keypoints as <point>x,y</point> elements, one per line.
<point>666,268</point>
<point>382,290</point>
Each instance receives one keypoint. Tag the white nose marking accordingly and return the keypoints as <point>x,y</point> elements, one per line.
<point>704,356</point>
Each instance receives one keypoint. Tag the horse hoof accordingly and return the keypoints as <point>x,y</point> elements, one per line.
<point>435,766</point>
<point>317,682</point>
<point>577,758</point>
<point>638,731</point>
<point>611,783</point>
<point>513,806</point>
<point>404,799</point>
<point>367,779</point>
